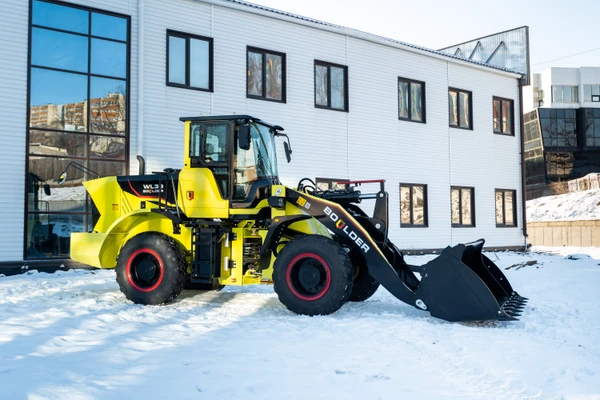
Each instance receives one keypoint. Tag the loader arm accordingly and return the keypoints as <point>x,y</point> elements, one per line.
<point>459,285</point>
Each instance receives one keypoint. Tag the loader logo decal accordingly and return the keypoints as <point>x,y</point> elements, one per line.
<point>150,188</point>
<point>343,226</point>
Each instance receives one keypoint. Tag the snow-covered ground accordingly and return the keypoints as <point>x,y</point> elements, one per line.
<point>73,335</point>
<point>583,205</point>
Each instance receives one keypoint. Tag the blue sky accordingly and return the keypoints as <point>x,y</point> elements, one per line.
<point>557,29</point>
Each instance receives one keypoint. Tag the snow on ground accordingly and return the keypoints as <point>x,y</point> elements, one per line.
<point>73,335</point>
<point>582,205</point>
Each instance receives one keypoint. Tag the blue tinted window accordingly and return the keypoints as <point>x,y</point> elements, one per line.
<point>109,58</point>
<point>59,50</point>
<point>60,17</point>
<point>177,60</point>
<point>109,27</point>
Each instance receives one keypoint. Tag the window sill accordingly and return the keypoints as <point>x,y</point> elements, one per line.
<point>506,226</point>
<point>463,226</point>
<point>413,226</point>
<point>411,120</point>
<point>177,85</point>
<point>330,108</point>
<point>249,96</point>
<point>460,127</point>
<point>503,134</point>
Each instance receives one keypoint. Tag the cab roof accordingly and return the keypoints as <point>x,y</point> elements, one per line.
<point>229,118</point>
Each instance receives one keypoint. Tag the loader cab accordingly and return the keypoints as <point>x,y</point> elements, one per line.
<point>243,175</point>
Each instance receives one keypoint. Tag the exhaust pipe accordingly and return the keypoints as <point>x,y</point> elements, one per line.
<point>142,165</point>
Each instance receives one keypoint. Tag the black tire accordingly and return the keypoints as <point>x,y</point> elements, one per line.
<point>313,275</point>
<point>151,269</point>
<point>364,286</point>
<point>215,285</point>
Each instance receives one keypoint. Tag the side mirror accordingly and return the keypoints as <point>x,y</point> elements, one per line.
<point>62,178</point>
<point>244,137</point>
<point>47,189</point>
<point>288,151</point>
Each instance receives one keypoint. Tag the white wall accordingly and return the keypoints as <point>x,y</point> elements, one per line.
<point>367,142</point>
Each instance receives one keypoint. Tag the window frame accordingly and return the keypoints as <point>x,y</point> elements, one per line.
<point>512,111</point>
<point>425,206</point>
<point>423,100</point>
<point>514,208</point>
<point>187,37</point>
<point>458,91</point>
<point>88,210</point>
<point>460,224</point>
<point>574,90</point>
<point>264,53</point>
<point>347,94</point>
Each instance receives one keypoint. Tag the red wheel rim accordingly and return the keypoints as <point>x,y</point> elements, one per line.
<point>308,276</point>
<point>144,270</point>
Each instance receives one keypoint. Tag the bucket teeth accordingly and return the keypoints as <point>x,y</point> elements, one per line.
<point>513,307</point>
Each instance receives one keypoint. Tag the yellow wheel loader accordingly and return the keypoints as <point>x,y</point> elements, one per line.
<point>225,219</point>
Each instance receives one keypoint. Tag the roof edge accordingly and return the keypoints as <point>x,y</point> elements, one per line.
<point>354,33</point>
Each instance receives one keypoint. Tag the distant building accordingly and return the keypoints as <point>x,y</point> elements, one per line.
<point>562,127</point>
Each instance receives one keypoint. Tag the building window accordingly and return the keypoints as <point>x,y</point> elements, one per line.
<point>503,116</point>
<point>506,210</point>
<point>411,100</point>
<point>565,94</point>
<point>413,205</point>
<point>78,114</point>
<point>591,93</point>
<point>189,61</point>
<point>460,108</point>
<point>463,206</point>
<point>266,75</point>
<point>559,127</point>
<point>331,86</point>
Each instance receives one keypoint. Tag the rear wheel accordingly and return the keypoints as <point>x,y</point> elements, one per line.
<point>313,275</point>
<point>364,286</point>
<point>151,269</point>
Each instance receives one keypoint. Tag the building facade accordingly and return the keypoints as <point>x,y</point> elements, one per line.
<point>95,83</point>
<point>562,127</point>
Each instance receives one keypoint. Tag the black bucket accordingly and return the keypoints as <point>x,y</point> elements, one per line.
<point>464,285</point>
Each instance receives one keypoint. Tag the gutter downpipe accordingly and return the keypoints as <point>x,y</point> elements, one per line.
<point>140,78</point>
<point>523,174</point>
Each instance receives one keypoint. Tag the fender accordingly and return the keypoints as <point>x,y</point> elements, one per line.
<point>101,249</point>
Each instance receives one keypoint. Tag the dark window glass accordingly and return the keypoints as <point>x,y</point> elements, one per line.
<point>321,85</point>
<point>189,61</point>
<point>109,27</point>
<point>109,58</point>
<point>462,202</point>
<point>60,17</point>
<point>411,100</point>
<point>331,86</point>
<point>59,50</point>
<point>265,75</point>
<point>460,108</point>
<point>503,116</point>
<point>413,205</point>
<point>506,207</point>
<point>70,97</point>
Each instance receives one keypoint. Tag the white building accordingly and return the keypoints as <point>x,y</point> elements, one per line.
<point>355,106</point>
<point>558,87</point>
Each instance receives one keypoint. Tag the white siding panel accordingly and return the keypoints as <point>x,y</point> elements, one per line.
<point>14,20</point>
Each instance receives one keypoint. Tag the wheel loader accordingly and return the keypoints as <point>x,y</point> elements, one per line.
<point>226,219</point>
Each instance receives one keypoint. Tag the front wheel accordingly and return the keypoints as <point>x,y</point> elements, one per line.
<point>151,269</point>
<point>313,275</point>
